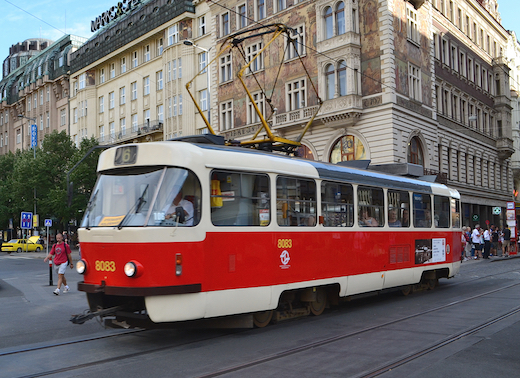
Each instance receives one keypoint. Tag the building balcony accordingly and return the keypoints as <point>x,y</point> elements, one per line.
<point>143,131</point>
<point>505,148</point>
<point>298,116</point>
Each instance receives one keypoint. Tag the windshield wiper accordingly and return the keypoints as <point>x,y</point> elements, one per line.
<point>90,206</point>
<point>140,202</point>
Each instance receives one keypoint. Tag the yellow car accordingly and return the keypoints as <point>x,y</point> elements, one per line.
<point>21,245</point>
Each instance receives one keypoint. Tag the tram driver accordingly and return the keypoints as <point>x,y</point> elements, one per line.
<point>181,210</point>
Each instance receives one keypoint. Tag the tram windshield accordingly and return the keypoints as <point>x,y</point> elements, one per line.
<point>158,196</point>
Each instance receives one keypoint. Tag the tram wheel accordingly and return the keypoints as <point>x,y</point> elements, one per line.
<point>406,290</point>
<point>318,306</point>
<point>263,318</point>
<point>431,283</point>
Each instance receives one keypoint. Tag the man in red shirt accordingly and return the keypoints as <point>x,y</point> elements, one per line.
<point>61,252</point>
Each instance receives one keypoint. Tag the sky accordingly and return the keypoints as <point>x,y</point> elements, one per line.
<point>51,19</point>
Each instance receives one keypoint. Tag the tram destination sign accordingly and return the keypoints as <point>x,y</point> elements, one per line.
<point>114,12</point>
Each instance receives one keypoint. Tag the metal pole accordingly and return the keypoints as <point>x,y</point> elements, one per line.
<point>50,260</point>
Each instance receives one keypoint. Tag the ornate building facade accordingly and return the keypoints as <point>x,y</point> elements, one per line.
<point>422,82</point>
<point>37,93</point>
<point>128,80</point>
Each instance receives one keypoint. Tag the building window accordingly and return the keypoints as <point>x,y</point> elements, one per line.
<point>102,76</point>
<point>75,115</point>
<point>112,130</point>
<point>226,115</point>
<point>122,126</point>
<point>340,18</point>
<point>102,104</point>
<point>413,29</point>
<point>174,69</point>
<point>82,79</point>
<point>329,23</point>
<point>414,82</point>
<point>180,104</point>
<point>146,85</point>
<point>122,96</point>
<point>202,25</point>
<point>203,99</point>
<point>123,65</point>
<point>48,98</point>
<point>147,117</point>
<point>18,136</point>
<point>48,116</point>
<point>63,117</point>
<point>134,123</point>
<point>160,113</point>
<point>147,53</point>
<point>242,16</point>
<point>415,153</point>
<point>134,90</point>
<point>202,62</point>
<point>297,43</point>
<point>180,68</point>
<point>41,97</point>
<point>159,47</point>
<point>173,34</point>
<point>112,71</point>
<point>111,100</point>
<point>342,78</point>
<point>252,115</point>
<point>159,80</point>
<point>224,24</point>
<point>41,122</point>
<point>225,68</point>
<point>174,106</point>
<point>135,61</point>
<point>260,9</point>
<point>347,148</point>
<point>280,5</point>
<point>296,97</point>
<point>330,81</point>
<point>251,52</point>
<point>101,133</point>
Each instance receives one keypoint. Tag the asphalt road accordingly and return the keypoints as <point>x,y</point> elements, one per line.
<point>468,326</point>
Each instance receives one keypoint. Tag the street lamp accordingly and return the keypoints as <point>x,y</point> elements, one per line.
<point>34,144</point>
<point>187,42</point>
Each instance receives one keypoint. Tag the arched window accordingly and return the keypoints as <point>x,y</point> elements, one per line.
<point>329,31</point>
<point>347,148</point>
<point>342,78</point>
<point>305,152</point>
<point>330,82</point>
<point>340,18</point>
<point>415,153</point>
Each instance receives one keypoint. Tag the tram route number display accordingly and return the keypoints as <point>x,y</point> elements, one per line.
<point>105,266</point>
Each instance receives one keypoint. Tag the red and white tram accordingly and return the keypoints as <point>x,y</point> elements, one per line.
<point>177,231</point>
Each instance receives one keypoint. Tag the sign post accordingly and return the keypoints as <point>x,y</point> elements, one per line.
<point>48,223</point>
<point>26,224</point>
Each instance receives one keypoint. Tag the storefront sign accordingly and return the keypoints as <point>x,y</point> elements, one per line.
<point>475,217</point>
<point>497,210</point>
<point>114,12</point>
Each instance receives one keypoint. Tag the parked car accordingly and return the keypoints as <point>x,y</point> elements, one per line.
<point>19,245</point>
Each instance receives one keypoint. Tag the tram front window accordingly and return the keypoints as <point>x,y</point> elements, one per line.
<point>144,197</point>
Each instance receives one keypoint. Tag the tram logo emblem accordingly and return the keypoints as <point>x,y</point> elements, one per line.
<point>285,258</point>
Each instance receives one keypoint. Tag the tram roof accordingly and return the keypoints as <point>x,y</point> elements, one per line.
<point>263,161</point>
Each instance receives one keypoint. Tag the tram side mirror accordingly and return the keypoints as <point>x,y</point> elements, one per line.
<point>179,214</point>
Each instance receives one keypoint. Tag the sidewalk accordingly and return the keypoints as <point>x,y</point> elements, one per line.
<point>41,254</point>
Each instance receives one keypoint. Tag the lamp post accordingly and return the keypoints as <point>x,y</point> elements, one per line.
<point>34,144</point>
<point>187,42</point>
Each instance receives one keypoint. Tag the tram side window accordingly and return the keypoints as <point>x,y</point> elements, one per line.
<point>239,199</point>
<point>422,216</point>
<point>455,213</point>
<point>441,211</point>
<point>337,204</point>
<point>295,202</point>
<point>398,208</point>
<point>370,207</point>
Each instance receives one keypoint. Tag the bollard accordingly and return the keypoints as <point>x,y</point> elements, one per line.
<point>50,273</point>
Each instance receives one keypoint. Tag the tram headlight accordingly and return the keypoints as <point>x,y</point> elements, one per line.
<point>133,269</point>
<point>81,266</point>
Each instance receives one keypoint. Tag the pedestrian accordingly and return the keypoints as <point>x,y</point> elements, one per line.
<point>506,242</point>
<point>475,239</point>
<point>469,245</point>
<point>62,258</point>
<point>487,243</point>
<point>494,240</point>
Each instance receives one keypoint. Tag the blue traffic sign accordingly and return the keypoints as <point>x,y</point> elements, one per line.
<point>48,222</point>
<point>34,135</point>
<point>27,220</point>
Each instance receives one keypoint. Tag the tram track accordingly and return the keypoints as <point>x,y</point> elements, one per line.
<point>381,369</point>
<point>290,352</point>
